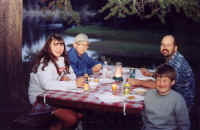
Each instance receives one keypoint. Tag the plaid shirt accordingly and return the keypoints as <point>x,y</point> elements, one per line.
<point>185,82</point>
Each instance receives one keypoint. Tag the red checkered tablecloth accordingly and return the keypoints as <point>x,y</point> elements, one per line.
<point>88,100</point>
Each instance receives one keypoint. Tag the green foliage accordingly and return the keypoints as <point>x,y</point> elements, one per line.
<point>119,8</point>
<point>65,10</point>
<point>159,8</point>
<point>123,8</point>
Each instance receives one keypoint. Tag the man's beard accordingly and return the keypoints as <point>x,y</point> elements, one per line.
<point>165,53</point>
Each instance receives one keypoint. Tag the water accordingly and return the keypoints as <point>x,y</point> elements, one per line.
<point>29,50</point>
<point>35,34</point>
<point>34,38</point>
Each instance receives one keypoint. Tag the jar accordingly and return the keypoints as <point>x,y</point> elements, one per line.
<point>118,72</point>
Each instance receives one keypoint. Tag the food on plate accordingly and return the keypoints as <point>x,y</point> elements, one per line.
<point>131,97</point>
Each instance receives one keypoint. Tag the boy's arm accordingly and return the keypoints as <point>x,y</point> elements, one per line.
<point>182,115</point>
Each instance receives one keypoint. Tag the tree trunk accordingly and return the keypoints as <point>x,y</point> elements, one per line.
<point>11,69</point>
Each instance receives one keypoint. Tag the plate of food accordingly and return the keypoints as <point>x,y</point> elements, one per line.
<point>140,91</point>
<point>134,98</point>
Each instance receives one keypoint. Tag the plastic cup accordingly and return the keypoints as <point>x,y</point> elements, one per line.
<point>114,89</point>
<point>86,87</point>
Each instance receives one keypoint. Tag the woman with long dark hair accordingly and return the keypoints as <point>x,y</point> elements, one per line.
<point>51,71</point>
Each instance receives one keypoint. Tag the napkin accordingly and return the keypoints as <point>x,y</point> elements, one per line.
<point>109,97</point>
<point>93,84</point>
<point>76,90</point>
<point>106,80</point>
<point>140,76</point>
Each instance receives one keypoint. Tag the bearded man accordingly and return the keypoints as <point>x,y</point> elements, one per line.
<point>185,82</point>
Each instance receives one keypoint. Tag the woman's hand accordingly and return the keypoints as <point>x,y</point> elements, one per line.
<point>80,81</point>
<point>61,69</point>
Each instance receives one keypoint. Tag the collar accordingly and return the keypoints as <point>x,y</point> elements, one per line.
<point>173,56</point>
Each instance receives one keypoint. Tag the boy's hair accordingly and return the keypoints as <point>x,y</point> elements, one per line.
<point>166,70</point>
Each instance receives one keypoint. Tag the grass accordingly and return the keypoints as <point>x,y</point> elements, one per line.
<point>140,42</point>
<point>118,48</point>
<point>141,35</point>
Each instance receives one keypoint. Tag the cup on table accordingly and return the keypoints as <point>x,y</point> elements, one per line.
<point>114,88</point>
<point>80,82</point>
<point>86,87</point>
<point>96,80</point>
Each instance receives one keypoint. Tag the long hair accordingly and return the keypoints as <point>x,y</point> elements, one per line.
<point>45,55</point>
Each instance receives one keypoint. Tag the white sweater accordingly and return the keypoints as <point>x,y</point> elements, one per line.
<point>49,80</point>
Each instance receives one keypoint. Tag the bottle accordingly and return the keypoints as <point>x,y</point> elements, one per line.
<point>126,89</point>
<point>132,73</point>
<point>86,78</point>
<point>105,69</point>
<point>86,85</point>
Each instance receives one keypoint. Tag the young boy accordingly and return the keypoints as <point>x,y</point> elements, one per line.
<point>79,59</point>
<point>165,109</point>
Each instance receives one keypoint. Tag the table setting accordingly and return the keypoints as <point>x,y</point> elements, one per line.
<point>103,92</point>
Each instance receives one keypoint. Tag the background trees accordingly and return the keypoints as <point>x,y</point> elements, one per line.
<point>150,8</point>
<point>141,8</point>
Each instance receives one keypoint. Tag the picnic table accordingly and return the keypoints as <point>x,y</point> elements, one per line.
<point>99,97</point>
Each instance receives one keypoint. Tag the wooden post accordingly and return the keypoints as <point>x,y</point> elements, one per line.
<point>11,69</point>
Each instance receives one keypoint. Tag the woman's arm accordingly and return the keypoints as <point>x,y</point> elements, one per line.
<point>48,80</point>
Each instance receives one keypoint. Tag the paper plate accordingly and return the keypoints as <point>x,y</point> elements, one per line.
<point>109,98</point>
<point>139,91</point>
<point>134,98</point>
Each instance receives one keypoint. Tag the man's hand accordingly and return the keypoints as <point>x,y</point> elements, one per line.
<point>80,81</point>
<point>96,68</point>
<point>145,72</point>
<point>134,82</point>
<point>141,83</point>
